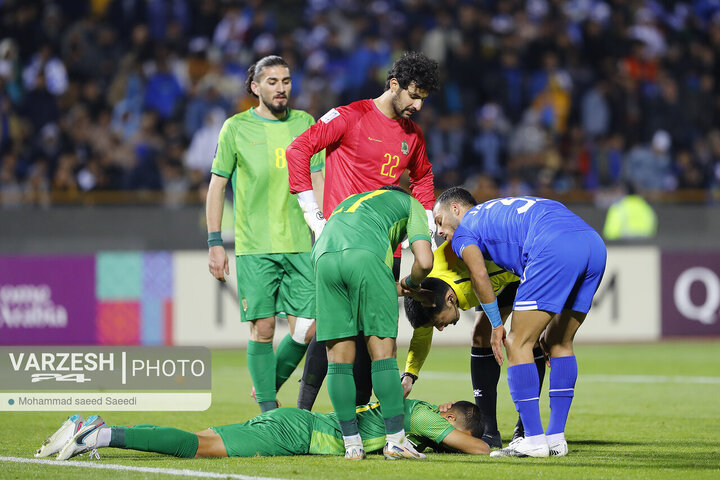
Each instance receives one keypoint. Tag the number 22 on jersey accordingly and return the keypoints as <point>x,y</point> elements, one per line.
<point>390,159</point>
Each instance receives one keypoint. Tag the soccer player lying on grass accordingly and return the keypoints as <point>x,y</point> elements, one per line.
<point>278,432</point>
<point>450,283</point>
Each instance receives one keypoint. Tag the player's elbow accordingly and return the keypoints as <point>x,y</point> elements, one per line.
<point>424,261</point>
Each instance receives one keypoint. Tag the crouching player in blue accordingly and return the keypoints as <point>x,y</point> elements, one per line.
<point>560,260</point>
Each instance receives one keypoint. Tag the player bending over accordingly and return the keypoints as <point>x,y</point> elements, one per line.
<point>283,431</point>
<point>561,261</point>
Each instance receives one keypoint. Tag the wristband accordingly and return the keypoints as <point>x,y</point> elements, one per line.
<point>411,375</point>
<point>493,313</point>
<point>214,239</point>
<point>410,284</point>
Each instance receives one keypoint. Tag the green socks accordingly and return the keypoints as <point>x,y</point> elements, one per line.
<point>146,438</point>
<point>261,363</point>
<point>288,355</point>
<point>341,388</point>
<point>388,390</point>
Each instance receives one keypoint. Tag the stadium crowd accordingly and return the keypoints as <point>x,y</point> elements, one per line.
<point>537,96</point>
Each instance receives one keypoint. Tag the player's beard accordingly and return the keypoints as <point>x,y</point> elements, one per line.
<point>400,111</point>
<point>275,109</point>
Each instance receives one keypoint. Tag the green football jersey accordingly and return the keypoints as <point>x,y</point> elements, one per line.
<point>376,221</point>
<point>251,152</point>
<point>423,426</point>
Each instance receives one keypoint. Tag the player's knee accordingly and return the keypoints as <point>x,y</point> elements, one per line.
<point>262,330</point>
<point>304,330</point>
<point>559,350</point>
<point>515,341</point>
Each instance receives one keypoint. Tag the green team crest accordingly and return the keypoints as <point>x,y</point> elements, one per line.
<point>404,147</point>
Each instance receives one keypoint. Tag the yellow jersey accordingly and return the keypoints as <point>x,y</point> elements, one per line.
<point>453,271</point>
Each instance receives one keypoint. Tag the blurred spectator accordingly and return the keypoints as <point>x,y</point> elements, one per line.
<point>45,63</point>
<point>163,92</point>
<point>648,167</point>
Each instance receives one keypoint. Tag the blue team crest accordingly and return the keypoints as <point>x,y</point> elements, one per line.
<point>404,147</point>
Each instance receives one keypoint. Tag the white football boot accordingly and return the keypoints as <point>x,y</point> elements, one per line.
<point>84,440</point>
<point>522,447</point>
<point>395,451</point>
<point>559,449</point>
<point>57,440</point>
<point>355,452</point>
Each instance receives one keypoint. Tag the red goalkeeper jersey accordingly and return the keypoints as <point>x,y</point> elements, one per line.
<point>365,150</point>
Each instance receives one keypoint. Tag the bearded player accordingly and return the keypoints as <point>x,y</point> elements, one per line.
<point>369,144</point>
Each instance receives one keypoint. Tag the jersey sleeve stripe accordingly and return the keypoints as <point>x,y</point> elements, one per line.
<point>220,172</point>
<point>419,237</point>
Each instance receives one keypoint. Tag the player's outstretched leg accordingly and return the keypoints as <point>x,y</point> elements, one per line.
<point>146,438</point>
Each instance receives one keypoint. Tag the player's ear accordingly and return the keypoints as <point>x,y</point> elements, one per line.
<point>450,417</point>
<point>449,297</point>
<point>394,85</point>
<point>254,87</point>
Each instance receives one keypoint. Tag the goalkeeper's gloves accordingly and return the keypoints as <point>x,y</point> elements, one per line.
<point>313,216</point>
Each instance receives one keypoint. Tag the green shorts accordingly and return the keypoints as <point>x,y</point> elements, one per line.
<point>356,292</point>
<point>276,282</point>
<point>283,431</point>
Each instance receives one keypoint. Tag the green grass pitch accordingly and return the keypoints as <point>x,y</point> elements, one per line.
<point>640,412</point>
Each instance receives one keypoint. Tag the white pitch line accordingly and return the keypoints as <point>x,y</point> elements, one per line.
<point>127,468</point>
<point>596,378</point>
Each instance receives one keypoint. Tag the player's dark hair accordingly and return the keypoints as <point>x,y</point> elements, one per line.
<point>414,67</point>
<point>418,315</point>
<point>457,195</point>
<point>255,69</point>
<point>397,188</point>
<point>469,418</point>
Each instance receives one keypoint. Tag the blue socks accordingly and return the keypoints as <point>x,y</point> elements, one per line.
<point>524,386</point>
<point>563,374</point>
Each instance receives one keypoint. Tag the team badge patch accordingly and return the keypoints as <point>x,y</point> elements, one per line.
<point>404,147</point>
<point>244,304</point>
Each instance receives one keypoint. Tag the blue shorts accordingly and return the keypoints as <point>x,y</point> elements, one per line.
<point>563,274</point>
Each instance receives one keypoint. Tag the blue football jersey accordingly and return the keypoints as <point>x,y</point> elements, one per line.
<point>507,230</point>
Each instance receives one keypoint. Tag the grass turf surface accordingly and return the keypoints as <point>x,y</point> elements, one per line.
<point>652,426</point>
